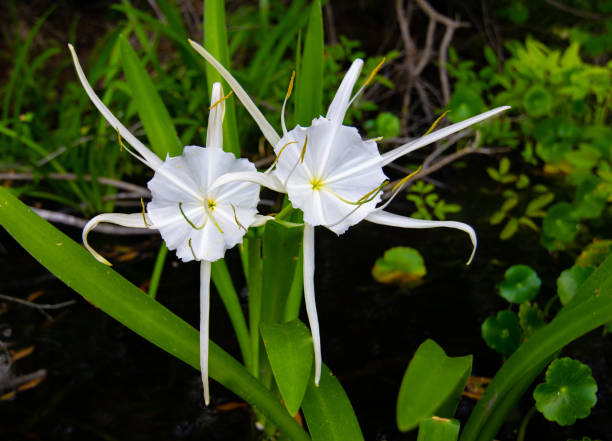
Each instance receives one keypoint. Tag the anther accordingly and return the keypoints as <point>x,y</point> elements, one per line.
<point>304,149</point>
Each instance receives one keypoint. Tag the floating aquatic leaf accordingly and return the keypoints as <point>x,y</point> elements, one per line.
<point>569,392</point>
<point>560,223</point>
<point>502,333</point>
<point>521,284</point>
<point>570,280</point>
<point>401,265</point>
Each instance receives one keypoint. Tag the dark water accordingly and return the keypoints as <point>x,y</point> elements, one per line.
<point>104,382</point>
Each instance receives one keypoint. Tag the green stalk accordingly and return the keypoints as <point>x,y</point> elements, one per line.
<point>524,423</point>
<point>223,281</point>
<point>254,278</point>
<point>119,298</point>
<point>591,307</point>
<point>157,270</point>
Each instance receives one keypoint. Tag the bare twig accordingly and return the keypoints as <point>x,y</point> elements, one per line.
<point>330,28</point>
<point>15,382</point>
<point>73,221</point>
<point>137,189</point>
<point>573,11</point>
<point>37,305</point>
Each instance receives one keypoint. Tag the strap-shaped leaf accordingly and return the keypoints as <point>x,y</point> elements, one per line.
<point>431,386</point>
<point>289,348</point>
<point>150,107</point>
<point>328,411</point>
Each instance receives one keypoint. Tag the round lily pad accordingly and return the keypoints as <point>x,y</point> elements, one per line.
<point>570,280</point>
<point>569,392</point>
<point>502,332</point>
<point>521,284</point>
<point>400,265</point>
<point>531,318</point>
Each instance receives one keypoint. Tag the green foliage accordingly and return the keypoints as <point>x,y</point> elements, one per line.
<point>531,318</point>
<point>439,429</point>
<point>521,284</point>
<point>570,280</point>
<point>432,385</point>
<point>569,392</point>
<point>289,349</point>
<point>565,133</point>
<point>386,125</point>
<point>502,332</point>
<point>328,411</point>
<point>428,203</point>
<point>400,265</point>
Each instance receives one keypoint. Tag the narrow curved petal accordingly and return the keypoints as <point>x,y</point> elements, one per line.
<point>204,325</point>
<point>265,127</point>
<point>309,296</point>
<point>394,220</point>
<point>150,158</point>
<point>268,181</point>
<point>214,134</point>
<point>134,220</point>
<point>337,111</point>
<point>438,135</point>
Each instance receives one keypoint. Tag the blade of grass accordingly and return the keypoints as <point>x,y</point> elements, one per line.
<point>215,41</point>
<point>151,110</point>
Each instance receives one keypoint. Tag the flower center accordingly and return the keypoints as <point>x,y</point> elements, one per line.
<point>211,203</point>
<point>317,183</point>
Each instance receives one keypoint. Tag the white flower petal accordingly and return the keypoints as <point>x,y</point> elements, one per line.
<point>256,177</point>
<point>265,127</point>
<point>204,325</point>
<point>309,297</point>
<point>339,105</point>
<point>438,134</point>
<point>214,134</point>
<point>149,158</point>
<point>394,220</point>
<point>134,220</point>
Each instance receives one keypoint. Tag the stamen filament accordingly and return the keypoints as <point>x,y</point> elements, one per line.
<point>278,156</point>
<point>236,218</point>
<point>304,149</point>
<point>212,218</point>
<point>191,248</point>
<point>180,205</point>
<point>369,196</point>
<point>369,79</point>
<point>220,100</point>
<point>435,123</point>
<point>144,218</point>
<point>403,180</point>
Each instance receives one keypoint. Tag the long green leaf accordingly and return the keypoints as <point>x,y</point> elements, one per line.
<point>215,41</point>
<point>591,308</point>
<point>431,386</point>
<point>151,110</point>
<point>328,411</point>
<point>289,349</point>
<point>309,81</point>
<point>119,298</point>
<point>438,429</point>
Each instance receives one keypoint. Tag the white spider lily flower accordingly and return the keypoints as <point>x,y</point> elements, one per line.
<point>196,213</point>
<point>333,175</point>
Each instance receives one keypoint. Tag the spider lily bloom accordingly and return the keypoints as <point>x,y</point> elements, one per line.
<point>333,175</point>
<point>196,215</point>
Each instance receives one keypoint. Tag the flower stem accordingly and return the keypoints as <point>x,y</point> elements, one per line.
<point>157,270</point>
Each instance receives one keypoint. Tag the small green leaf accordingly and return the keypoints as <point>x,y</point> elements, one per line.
<point>504,165</point>
<point>432,385</point>
<point>289,348</point>
<point>537,101</point>
<point>509,229</point>
<point>569,392</point>
<point>151,109</point>
<point>523,182</point>
<point>438,429</point>
<point>497,217</point>
<point>531,318</point>
<point>570,280</point>
<point>560,222</point>
<point>502,333</point>
<point>521,284</point>
<point>401,265</point>
<point>535,205</point>
<point>328,411</point>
